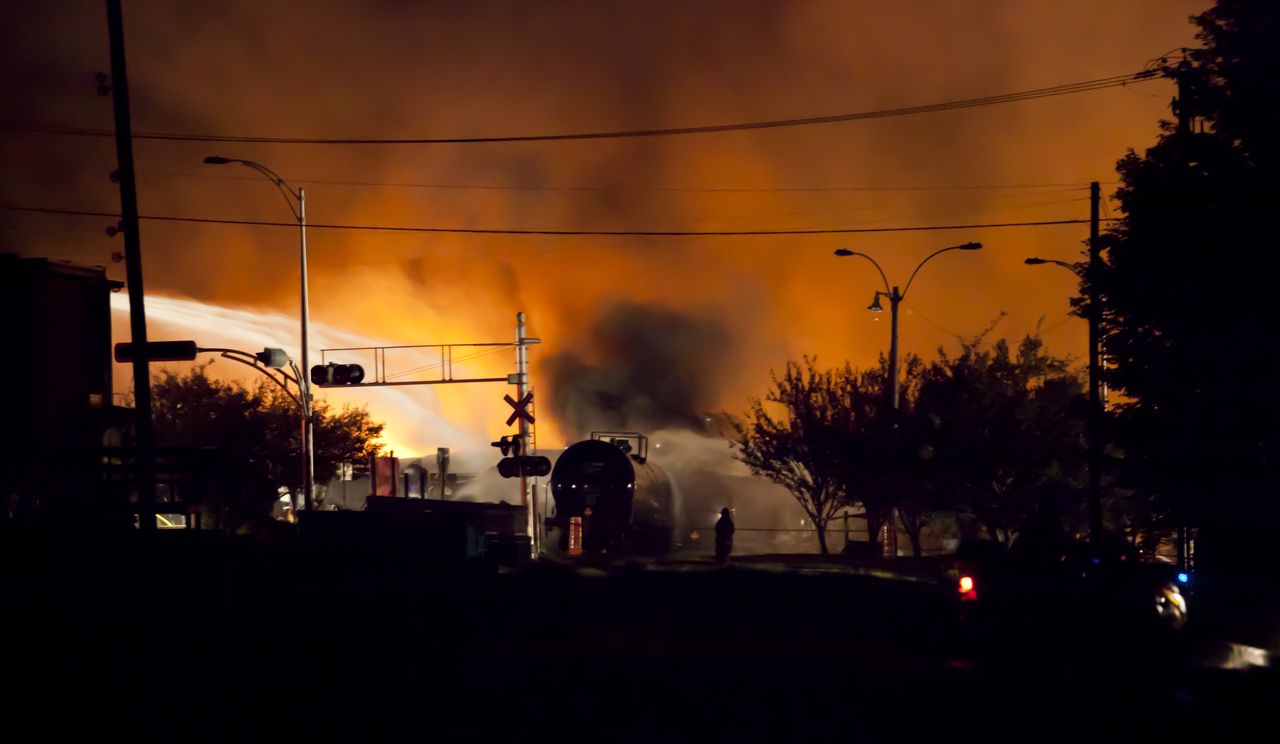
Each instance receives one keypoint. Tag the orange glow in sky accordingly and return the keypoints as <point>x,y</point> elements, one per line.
<point>335,69</point>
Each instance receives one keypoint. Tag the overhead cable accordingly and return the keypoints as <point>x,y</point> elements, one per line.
<point>556,232</point>
<point>1114,81</point>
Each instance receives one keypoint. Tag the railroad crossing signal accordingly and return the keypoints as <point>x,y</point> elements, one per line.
<point>517,465</point>
<point>521,408</point>
<point>528,465</point>
<point>508,445</point>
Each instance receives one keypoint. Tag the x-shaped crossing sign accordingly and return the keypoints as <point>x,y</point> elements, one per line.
<point>521,408</point>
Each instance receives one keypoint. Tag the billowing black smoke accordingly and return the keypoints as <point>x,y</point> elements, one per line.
<point>638,367</point>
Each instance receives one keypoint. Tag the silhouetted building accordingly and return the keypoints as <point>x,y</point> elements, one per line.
<point>407,477</point>
<point>57,386</point>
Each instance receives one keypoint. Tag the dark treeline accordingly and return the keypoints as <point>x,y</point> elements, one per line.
<point>1187,287</point>
<point>1186,282</point>
<point>993,435</point>
<point>255,432</point>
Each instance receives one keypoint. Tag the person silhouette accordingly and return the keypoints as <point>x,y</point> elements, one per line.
<point>724,536</point>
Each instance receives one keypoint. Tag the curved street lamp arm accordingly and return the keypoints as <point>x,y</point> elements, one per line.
<point>876,264</point>
<point>288,191</point>
<point>267,374</point>
<point>1068,266</point>
<point>926,260</point>
<point>243,357</point>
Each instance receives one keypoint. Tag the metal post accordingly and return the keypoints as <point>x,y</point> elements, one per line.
<point>442,465</point>
<point>145,460</point>
<point>308,420</point>
<point>1182,110</point>
<point>522,387</point>
<point>1095,373</point>
<point>894,299</point>
<point>1181,104</point>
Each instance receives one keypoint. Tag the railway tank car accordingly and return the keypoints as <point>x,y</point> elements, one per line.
<point>625,503</point>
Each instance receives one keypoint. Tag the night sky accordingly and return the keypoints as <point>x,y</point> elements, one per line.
<point>380,69</point>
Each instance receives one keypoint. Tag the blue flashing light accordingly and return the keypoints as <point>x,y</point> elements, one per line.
<point>1097,561</point>
<point>1182,577</point>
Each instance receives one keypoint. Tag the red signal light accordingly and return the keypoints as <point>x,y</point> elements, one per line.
<point>968,589</point>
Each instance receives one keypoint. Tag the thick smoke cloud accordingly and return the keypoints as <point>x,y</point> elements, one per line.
<point>639,367</point>
<point>389,68</point>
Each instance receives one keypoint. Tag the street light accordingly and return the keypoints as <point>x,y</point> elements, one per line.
<point>895,299</point>
<point>1039,261</point>
<point>1094,420</point>
<point>299,212</point>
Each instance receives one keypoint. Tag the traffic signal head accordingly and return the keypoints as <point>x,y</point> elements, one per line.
<point>322,374</point>
<point>348,374</point>
<point>337,374</point>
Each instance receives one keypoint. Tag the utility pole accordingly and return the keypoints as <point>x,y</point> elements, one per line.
<point>308,417</point>
<point>144,463</point>
<point>1181,109</point>
<point>1095,371</point>
<point>895,299</point>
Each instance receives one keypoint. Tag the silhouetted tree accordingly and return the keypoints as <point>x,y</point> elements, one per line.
<point>257,430</point>
<point>793,436</point>
<point>880,454</point>
<point>997,433</point>
<point>1138,514</point>
<point>1188,288</point>
<point>990,432</point>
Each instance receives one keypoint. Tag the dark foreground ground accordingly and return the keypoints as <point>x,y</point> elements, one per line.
<point>181,639</point>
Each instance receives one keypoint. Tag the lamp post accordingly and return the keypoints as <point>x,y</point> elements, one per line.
<point>895,299</point>
<point>1094,420</point>
<point>297,201</point>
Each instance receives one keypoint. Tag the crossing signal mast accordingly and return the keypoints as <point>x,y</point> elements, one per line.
<point>517,465</point>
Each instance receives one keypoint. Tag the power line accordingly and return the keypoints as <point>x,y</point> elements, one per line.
<point>916,312</point>
<point>883,213</point>
<point>1048,187</point>
<point>1053,187</point>
<point>563,233</point>
<point>1114,81</point>
<point>696,189</point>
<point>1055,326</point>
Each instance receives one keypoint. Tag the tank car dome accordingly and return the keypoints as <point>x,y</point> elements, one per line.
<point>594,475</point>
